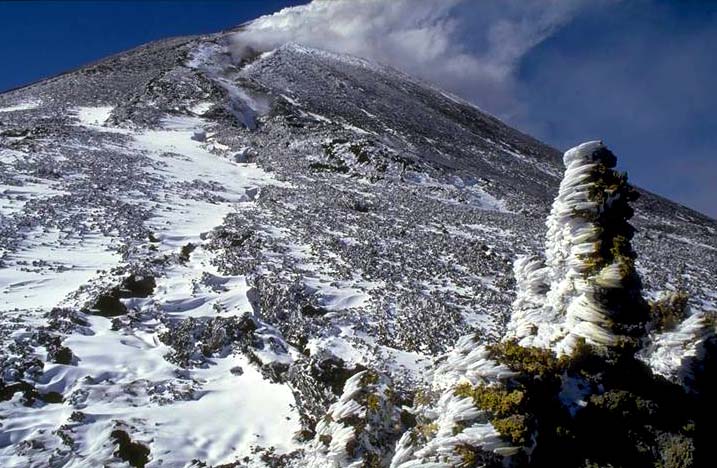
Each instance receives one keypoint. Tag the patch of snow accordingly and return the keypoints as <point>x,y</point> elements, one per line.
<point>21,106</point>
<point>180,295</point>
<point>14,197</point>
<point>546,168</point>
<point>479,196</point>
<point>318,117</point>
<point>50,266</point>
<point>689,241</point>
<point>122,375</point>
<point>94,115</point>
<point>201,108</point>
<point>339,295</point>
<point>290,100</point>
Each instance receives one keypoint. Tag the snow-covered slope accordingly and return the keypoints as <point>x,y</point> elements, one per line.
<point>198,252</point>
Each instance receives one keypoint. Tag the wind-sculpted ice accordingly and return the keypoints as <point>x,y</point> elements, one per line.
<point>584,291</point>
<point>588,288</point>
<point>673,354</point>
<point>470,361</point>
<point>528,307</point>
<point>454,430</point>
<point>360,429</point>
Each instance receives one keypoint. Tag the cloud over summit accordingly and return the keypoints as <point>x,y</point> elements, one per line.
<point>467,47</point>
<point>637,74</point>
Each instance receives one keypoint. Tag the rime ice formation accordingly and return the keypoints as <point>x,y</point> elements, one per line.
<point>360,429</point>
<point>588,287</point>
<point>671,354</point>
<point>529,305</point>
<point>453,430</point>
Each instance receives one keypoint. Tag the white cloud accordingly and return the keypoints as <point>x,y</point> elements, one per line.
<point>469,47</point>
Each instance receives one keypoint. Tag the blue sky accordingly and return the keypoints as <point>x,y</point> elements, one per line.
<point>642,76</point>
<point>638,74</point>
<point>41,38</point>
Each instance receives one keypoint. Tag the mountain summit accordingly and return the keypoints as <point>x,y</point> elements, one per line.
<point>292,258</point>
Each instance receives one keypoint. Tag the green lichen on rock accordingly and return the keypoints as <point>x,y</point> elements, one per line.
<point>498,401</point>
<point>677,451</point>
<point>471,457</point>
<point>532,360</point>
<point>362,427</point>
<point>669,310</point>
<point>513,428</point>
<point>644,419</point>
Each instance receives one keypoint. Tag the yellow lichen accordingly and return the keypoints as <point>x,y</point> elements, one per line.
<point>427,430</point>
<point>530,360</point>
<point>373,402</point>
<point>512,427</point>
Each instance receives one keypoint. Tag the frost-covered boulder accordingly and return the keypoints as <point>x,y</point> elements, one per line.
<point>453,429</point>
<point>361,428</point>
<point>565,374</point>
<point>199,135</point>
<point>588,287</point>
<point>674,353</point>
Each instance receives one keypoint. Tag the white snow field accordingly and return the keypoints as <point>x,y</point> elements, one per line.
<point>52,265</point>
<point>216,413</point>
<point>21,106</point>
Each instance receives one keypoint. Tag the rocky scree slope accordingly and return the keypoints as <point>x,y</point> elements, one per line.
<point>201,255</point>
